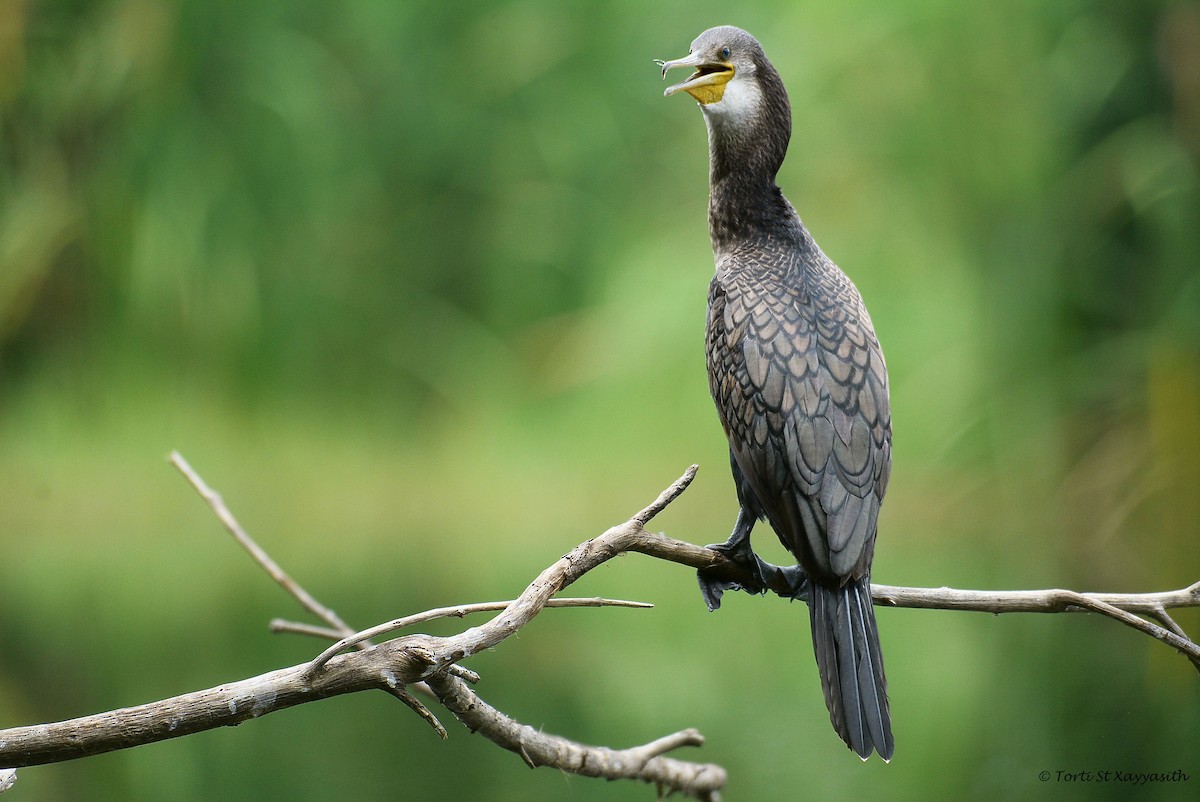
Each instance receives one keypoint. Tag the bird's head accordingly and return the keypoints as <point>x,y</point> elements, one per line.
<point>743,100</point>
<point>726,63</point>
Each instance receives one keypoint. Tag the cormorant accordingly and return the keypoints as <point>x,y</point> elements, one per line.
<point>799,383</point>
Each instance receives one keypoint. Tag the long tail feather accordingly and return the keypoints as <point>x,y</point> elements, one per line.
<point>846,643</point>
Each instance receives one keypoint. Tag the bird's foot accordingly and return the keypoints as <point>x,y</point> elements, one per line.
<point>737,550</point>
<point>788,581</point>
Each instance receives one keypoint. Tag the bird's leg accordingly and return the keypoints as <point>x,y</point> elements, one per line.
<point>737,549</point>
<point>788,581</point>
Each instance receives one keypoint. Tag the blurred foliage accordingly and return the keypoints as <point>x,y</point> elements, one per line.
<point>420,288</point>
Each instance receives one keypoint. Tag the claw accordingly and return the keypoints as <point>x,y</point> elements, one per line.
<point>713,589</point>
<point>737,549</point>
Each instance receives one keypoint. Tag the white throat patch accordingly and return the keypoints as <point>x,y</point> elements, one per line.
<point>741,99</point>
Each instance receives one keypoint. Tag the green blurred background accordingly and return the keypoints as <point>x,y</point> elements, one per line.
<point>420,288</point>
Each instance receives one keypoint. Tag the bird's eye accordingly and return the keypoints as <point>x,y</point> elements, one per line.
<point>725,52</point>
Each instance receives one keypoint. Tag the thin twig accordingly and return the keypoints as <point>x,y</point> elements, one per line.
<point>463,673</point>
<point>669,743</point>
<point>421,710</point>
<point>214,500</point>
<point>666,497</point>
<point>1161,616</point>
<point>282,627</point>
<point>458,611</point>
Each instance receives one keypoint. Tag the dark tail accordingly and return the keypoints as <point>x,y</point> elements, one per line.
<point>846,643</point>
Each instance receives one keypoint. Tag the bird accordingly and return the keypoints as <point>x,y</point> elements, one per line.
<point>799,381</point>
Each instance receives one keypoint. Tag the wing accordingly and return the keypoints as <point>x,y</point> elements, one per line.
<point>801,387</point>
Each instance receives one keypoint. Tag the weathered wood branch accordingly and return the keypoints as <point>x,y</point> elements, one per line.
<point>425,661</point>
<point>537,748</point>
<point>1123,607</point>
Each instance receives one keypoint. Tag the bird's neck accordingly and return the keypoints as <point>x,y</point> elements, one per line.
<point>745,154</point>
<point>744,205</point>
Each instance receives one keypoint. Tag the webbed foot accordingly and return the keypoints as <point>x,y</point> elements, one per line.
<point>738,550</point>
<point>788,581</point>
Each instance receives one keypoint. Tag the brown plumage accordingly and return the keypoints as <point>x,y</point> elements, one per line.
<point>799,382</point>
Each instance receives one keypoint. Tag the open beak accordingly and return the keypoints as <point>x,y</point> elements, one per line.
<point>706,84</point>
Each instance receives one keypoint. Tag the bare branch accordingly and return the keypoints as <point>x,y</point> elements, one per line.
<point>391,667</point>
<point>1029,601</point>
<point>644,763</point>
<point>225,705</point>
<point>1123,607</point>
<point>420,661</point>
<point>577,562</point>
